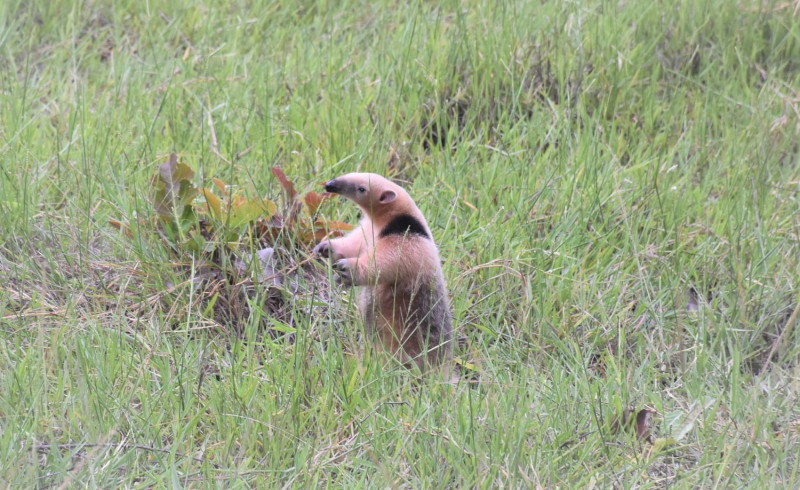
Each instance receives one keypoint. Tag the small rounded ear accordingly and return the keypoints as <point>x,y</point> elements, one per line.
<point>387,197</point>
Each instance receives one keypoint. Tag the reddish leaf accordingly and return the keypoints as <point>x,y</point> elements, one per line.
<point>319,235</point>
<point>643,424</point>
<point>123,228</point>
<point>314,200</point>
<point>269,229</point>
<point>640,423</point>
<point>288,187</point>
<point>333,225</point>
<point>221,186</point>
<point>276,221</point>
<point>173,172</point>
<point>308,236</point>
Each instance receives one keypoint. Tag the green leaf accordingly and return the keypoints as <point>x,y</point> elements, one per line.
<point>351,386</point>
<point>214,204</point>
<point>162,201</point>
<point>486,330</point>
<point>173,186</point>
<point>186,194</point>
<point>210,307</point>
<point>250,211</point>
<point>662,443</point>
<point>697,409</point>
<point>196,243</point>
<point>282,327</point>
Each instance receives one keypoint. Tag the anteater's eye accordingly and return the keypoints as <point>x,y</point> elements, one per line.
<point>362,189</point>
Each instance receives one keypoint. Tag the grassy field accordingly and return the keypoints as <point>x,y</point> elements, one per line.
<point>614,187</point>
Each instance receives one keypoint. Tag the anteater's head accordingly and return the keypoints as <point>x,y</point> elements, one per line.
<point>374,194</point>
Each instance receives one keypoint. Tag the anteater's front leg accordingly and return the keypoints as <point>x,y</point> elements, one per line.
<point>351,245</point>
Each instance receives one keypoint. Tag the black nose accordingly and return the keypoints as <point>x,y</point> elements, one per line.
<point>332,186</point>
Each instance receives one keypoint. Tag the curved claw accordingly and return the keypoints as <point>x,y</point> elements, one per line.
<point>323,250</point>
<point>343,271</point>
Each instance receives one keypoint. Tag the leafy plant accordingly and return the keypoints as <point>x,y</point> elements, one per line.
<point>212,223</point>
<point>174,191</point>
<point>200,219</point>
<point>301,220</point>
<point>172,195</point>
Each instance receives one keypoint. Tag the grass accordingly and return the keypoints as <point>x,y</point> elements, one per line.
<point>613,185</point>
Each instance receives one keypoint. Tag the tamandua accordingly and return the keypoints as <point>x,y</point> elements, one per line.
<point>393,256</point>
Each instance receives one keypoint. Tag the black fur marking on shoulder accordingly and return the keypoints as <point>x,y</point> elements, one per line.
<point>405,223</point>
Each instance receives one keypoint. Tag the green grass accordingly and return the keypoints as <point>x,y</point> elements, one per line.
<point>584,166</point>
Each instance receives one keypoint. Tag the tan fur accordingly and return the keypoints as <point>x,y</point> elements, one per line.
<point>403,298</point>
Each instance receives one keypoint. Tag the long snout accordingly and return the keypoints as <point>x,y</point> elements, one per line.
<point>333,187</point>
